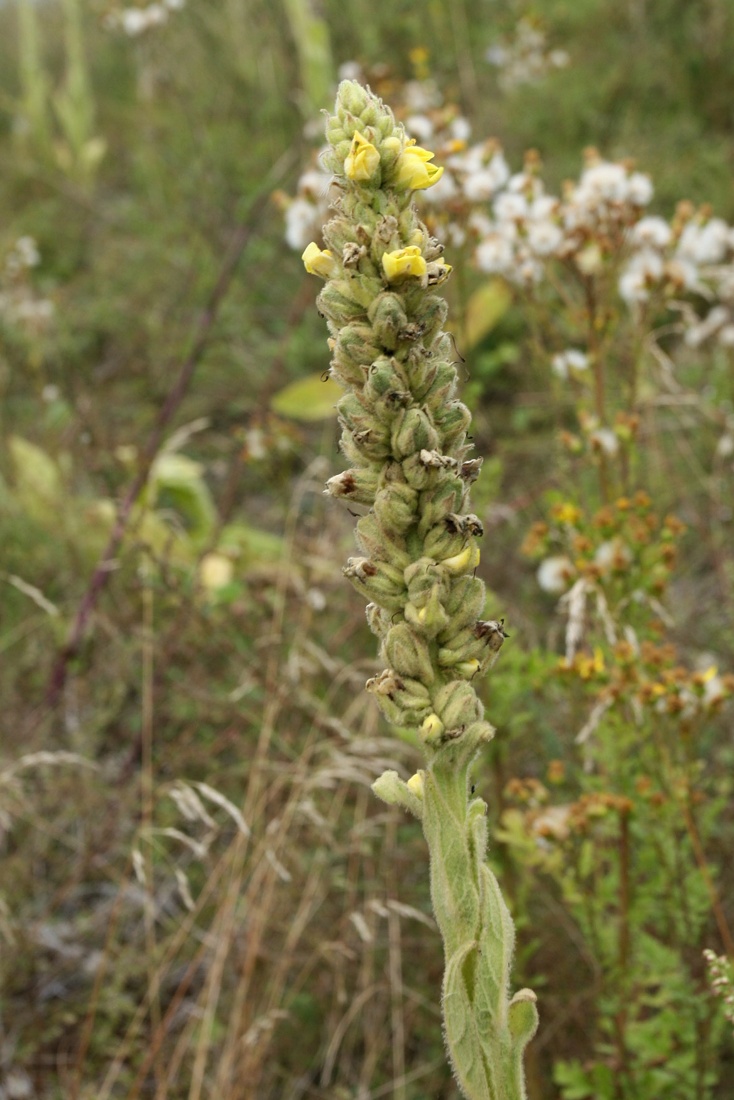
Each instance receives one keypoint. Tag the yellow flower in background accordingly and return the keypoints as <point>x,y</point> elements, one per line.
<point>413,170</point>
<point>566,513</point>
<point>587,667</point>
<point>363,159</point>
<point>318,261</point>
<point>405,261</point>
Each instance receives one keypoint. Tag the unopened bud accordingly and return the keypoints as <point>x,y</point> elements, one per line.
<point>378,581</point>
<point>396,506</point>
<point>379,544</point>
<point>358,485</point>
<point>464,604</point>
<point>413,432</point>
<point>387,317</point>
<point>408,654</point>
<point>430,619</point>
<point>457,704</point>
<point>451,420</point>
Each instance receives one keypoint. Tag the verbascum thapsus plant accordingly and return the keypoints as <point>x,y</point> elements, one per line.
<point>404,433</point>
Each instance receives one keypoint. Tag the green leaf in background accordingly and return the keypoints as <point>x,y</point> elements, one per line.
<point>178,483</point>
<point>313,44</point>
<point>253,545</point>
<point>308,399</point>
<point>486,306</point>
<point>37,482</point>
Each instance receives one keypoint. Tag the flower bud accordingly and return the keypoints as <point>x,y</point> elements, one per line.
<point>467,669</point>
<point>432,729</point>
<point>444,540</point>
<point>353,413</point>
<point>352,99</point>
<point>438,503</point>
<point>383,376</point>
<point>433,310</point>
<point>464,646</point>
<point>413,432</point>
<point>359,486</point>
<point>464,604</point>
<point>393,790</point>
<point>336,306</point>
<point>408,654</point>
<point>403,702</point>
<point>431,618</point>
<point>415,784</point>
<point>370,445</point>
<point>388,318</point>
<point>378,619</point>
<point>378,581</point>
<point>452,420</point>
<point>396,506</point>
<point>439,387</point>
<point>457,705</point>
<point>379,544</point>
<point>354,351</point>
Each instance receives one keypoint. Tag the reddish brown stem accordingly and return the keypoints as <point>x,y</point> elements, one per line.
<point>202,333</point>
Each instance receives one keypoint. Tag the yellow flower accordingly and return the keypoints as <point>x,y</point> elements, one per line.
<point>363,159</point>
<point>416,784</point>
<point>590,666</point>
<point>432,727</point>
<point>413,170</point>
<point>405,261</point>
<point>463,562</point>
<point>566,513</point>
<point>319,261</point>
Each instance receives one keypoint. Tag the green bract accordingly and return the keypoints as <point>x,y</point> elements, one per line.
<point>404,433</point>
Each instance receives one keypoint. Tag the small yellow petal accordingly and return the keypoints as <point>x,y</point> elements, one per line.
<point>432,727</point>
<point>404,262</point>
<point>463,562</point>
<point>413,170</point>
<point>363,159</point>
<point>319,261</point>
<point>467,668</point>
<point>415,783</point>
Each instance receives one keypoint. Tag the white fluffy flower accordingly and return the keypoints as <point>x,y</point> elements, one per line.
<point>420,127</point>
<point>651,232</point>
<point>704,244</point>
<point>460,128</point>
<point>569,361</point>
<point>605,440</point>
<point>603,182</point>
<point>554,574</point>
<point>495,254</point>
<point>510,207</point>
<point>715,319</point>
<point>544,237</point>
<point>645,269</point>
<point>302,221</point>
<point>612,553</point>
<point>639,189</point>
